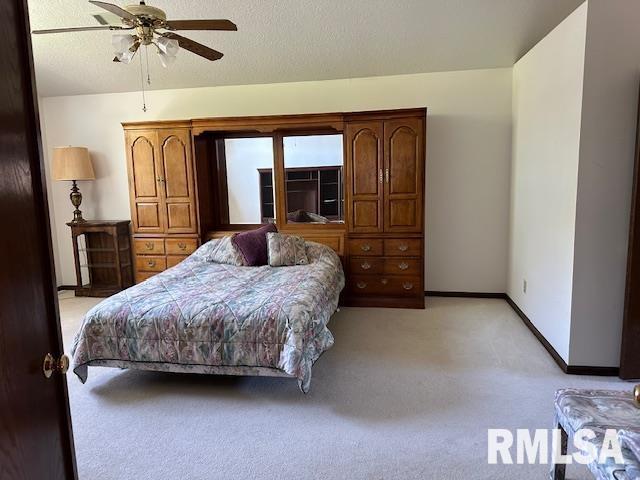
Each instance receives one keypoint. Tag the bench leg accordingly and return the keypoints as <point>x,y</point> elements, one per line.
<point>558,470</point>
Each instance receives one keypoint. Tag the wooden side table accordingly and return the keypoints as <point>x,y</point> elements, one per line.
<point>108,254</point>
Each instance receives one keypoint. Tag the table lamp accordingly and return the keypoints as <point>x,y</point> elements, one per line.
<point>73,164</point>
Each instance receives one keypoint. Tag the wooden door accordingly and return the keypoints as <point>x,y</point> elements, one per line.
<point>364,153</point>
<point>629,357</point>
<point>35,426</point>
<point>404,175</point>
<point>147,211</point>
<point>176,180</point>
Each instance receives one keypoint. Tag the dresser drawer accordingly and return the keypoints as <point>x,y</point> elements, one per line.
<point>410,247</point>
<point>366,265</point>
<point>150,263</point>
<point>148,246</point>
<point>401,266</point>
<point>365,246</point>
<point>180,246</point>
<point>390,286</point>
<point>142,276</point>
<point>173,260</point>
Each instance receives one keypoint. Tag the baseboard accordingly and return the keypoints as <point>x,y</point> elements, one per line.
<point>66,287</point>
<point>434,293</point>
<point>568,369</point>
<point>593,371</point>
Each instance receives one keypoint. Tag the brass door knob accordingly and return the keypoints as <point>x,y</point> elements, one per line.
<point>51,365</point>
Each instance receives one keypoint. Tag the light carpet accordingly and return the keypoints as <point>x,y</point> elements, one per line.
<point>403,394</point>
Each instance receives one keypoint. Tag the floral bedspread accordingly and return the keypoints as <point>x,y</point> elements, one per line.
<point>206,317</point>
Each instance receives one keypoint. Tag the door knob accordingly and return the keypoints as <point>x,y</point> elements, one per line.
<point>50,365</point>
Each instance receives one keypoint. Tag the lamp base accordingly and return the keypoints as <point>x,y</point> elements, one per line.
<point>76,200</point>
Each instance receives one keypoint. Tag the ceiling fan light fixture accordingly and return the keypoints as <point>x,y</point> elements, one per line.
<point>165,59</point>
<point>168,46</point>
<point>122,45</point>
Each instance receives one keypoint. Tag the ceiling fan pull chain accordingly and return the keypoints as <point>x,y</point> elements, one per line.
<point>144,102</point>
<point>146,54</point>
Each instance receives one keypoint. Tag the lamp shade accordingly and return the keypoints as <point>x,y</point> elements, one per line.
<point>72,163</point>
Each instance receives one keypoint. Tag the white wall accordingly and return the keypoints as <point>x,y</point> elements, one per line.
<point>607,144</point>
<point>244,157</point>
<point>468,155</point>
<point>547,108</point>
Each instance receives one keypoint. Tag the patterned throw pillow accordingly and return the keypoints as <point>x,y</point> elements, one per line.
<point>286,250</point>
<point>223,251</point>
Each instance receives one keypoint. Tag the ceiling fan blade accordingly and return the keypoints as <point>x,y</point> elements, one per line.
<point>107,18</point>
<point>80,29</point>
<point>121,12</point>
<point>195,47</point>
<point>200,25</point>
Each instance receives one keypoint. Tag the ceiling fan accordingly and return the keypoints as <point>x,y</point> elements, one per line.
<point>145,21</point>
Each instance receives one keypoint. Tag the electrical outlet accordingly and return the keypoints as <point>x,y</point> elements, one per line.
<point>524,286</point>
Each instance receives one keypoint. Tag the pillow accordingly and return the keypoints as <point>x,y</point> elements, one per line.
<point>286,250</point>
<point>223,251</point>
<point>252,245</point>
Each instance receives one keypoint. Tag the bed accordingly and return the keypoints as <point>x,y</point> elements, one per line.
<point>217,318</point>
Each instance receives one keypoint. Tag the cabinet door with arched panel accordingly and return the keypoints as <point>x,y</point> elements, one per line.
<point>177,180</point>
<point>364,153</point>
<point>144,171</point>
<point>403,175</point>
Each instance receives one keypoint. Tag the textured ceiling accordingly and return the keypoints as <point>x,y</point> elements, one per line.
<point>296,40</point>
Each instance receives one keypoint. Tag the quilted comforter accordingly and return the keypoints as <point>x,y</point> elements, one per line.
<point>205,317</point>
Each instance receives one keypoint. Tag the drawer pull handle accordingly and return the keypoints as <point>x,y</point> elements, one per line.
<point>151,263</point>
<point>407,285</point>
<point>403,266</point>
<point>149,245</point>
<point>365,266</point>
<point>365,247</point>
<point>403,247</point>
<point>380,176</point>
<point>384,281</point>
<point>361,285</point>
<point>182,246</point>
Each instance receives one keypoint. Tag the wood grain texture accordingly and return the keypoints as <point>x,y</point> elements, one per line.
<point>629,358</point>
<point>35,426</point>
<point>364,176</point>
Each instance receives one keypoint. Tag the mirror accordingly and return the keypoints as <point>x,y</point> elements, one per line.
<point>249,180</point>
<point>314,178</point>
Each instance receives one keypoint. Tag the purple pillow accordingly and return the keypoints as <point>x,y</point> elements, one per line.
<point>253,245</point>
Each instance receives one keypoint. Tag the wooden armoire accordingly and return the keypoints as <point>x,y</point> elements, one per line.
<point>162,195</point>
<point>174,179</point>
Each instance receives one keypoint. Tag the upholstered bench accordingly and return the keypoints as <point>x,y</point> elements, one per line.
<point>600,410</point>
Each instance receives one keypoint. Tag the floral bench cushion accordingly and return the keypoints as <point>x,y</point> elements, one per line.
<point>600,410</point>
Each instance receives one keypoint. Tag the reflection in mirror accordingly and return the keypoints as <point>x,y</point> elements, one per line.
<point>313,178</point>
<point>249,166</point>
